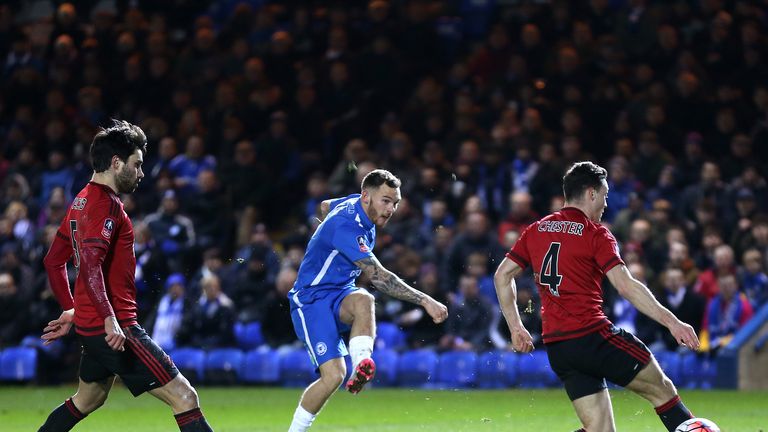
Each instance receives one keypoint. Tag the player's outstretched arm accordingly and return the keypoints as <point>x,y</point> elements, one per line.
<point>640,296</point>
<point>388,283</point>
<point>506,290</point>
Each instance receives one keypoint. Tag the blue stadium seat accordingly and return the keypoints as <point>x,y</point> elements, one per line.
<point>223,366</point>
<point>417,368</point>
<point>389,335</point>
<point>457,369</point>
<point>386,367</point>
<point>670,363</point>
<point>697,371</point>
<point>190,362</point>
<point>261,366</point>
<point>248,335</point>
<point>496,369</point>
<point>477,16</point>
<point>534,370</point>
<point>18,364</point>
<point>296,370</point>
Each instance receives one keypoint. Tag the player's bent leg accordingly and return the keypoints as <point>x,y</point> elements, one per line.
<point>595,412</point>
<point>89,397</point>
<point>652,384</point>
<point>358,310</point>
<point>332,374</point>
<point>182,398</point>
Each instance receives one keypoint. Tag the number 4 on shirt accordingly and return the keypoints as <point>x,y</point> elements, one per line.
<point>548,274</point>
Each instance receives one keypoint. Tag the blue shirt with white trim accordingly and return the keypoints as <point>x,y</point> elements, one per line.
<point>345,236</point>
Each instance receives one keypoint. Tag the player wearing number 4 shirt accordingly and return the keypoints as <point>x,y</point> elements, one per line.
<point>325,301</point>
<point>98,236</point>
<point>570,254</point>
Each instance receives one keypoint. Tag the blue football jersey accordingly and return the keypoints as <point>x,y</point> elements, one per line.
<point>345,236</point>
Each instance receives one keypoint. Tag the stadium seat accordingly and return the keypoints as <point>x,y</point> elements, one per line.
<point>496,369</point>
<point>534,370</point>
<point>18,364</point>
<point>697,371</point>
<point>417,368</point>
<point>248,335</point>
<point>190,362</point>
<point>261,366</point>
<point>457,369</point>
<point>296,370</point>
<point>386,367</point>
<point>223,366</point>
<point>670,363</point>
<point>389,335</point>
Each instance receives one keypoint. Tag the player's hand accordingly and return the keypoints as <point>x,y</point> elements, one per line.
<point>685,335</point>
<point>435,309</point>
<point>115,337</point>
<point>59,327</point>
<point>521,339</point>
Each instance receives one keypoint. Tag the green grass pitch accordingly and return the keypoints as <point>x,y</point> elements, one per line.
<point>378,410</point>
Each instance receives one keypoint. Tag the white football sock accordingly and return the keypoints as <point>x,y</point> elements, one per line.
<point>302,420</point>
<point>360,347</point>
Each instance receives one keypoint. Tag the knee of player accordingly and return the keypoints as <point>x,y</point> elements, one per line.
<point>187,397</point>
<point>336,377</point>
<point>365,301</point>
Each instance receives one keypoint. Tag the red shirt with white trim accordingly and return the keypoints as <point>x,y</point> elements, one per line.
<point>96,219</point>
<point>570,256</point>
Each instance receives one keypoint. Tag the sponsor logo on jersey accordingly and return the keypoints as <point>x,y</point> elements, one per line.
<point>79,203</point>
<point>362,245</point>
<point>109,226</point>
<point>321,348</point>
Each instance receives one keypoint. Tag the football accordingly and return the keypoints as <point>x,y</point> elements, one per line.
<point>697,425</point>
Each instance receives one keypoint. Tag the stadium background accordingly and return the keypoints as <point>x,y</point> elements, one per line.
<point>255,111</point>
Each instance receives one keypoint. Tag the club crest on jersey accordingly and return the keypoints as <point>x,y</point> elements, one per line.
<point>79,203</point>
<point>109,226</point>
<point>362,245</point>
<point>321,348</point>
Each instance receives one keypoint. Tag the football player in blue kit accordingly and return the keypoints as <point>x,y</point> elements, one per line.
<point>325,302</point>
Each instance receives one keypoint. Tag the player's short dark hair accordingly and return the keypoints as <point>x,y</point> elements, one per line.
<point>121,140</point>
<point>582,176</point>
<point>378,177</point>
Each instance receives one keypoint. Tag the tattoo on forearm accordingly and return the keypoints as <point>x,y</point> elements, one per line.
<point>386,282</point>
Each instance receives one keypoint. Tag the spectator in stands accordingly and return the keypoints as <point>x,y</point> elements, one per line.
<point>207,209</point>
<point>520,215</point>
<point>277,311</point>
<point>753,278</point>
<point>471,317</point>
<point>173,232</point>
<point>677,296</point>
<point>726,313</point>
<point>528,305</point>
<point>210,322</point>
<point>421,330</point>
<point>251,289</point>
<point>473,238</point>
<point>706,285</point>
<point>188,165</point>
<point>679,258</point>
<point>168,316</point>
<point>12,311</point>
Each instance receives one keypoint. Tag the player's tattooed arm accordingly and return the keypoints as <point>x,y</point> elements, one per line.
<point>387,282</point>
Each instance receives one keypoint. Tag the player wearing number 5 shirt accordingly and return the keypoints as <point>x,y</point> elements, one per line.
<point>570,253</point>
<point>97,235</point>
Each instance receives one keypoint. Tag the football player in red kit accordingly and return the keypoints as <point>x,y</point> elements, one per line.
<point>98,236</point>
<point>570,253</point>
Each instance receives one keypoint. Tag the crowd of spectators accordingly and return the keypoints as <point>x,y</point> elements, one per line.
<point>255,111</point>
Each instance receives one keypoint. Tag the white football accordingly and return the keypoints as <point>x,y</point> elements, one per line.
<point>697,425</point>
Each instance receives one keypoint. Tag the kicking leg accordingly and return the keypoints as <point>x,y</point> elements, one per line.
<point>332,374</point>
<point>89,397</point>
<point>595,412</point>
<point>652,384</point>
<point>357,310</point>
<point>182,398</point>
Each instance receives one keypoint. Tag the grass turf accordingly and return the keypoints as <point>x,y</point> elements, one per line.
<point>378,410</point>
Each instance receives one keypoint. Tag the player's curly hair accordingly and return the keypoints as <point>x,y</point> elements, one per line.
<point>378,177</point>
<point>121,140</point>
<point>581,176</point>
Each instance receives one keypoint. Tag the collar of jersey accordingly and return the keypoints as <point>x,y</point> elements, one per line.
<point>577,210</point>
<point>367,224</point>
<point>103,186</point>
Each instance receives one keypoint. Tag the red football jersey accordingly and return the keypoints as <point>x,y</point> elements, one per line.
<point>570,256</point>
<point>96,218</point>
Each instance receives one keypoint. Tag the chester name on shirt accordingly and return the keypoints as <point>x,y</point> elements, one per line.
<point>567,227</point>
